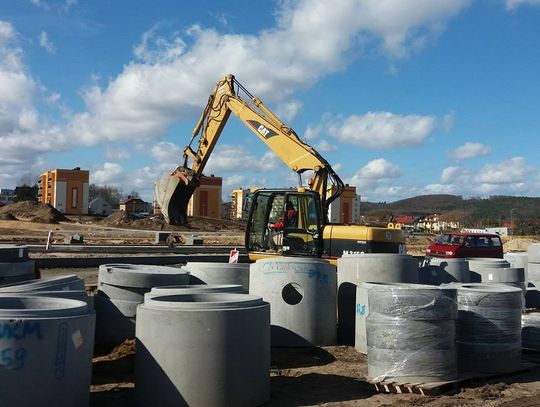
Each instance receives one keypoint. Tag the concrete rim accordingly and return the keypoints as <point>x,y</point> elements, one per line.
<point>141,268</point>
<point>407,286</point>
<point>205,287</point>
<point>203,301</point>
<point>41,307</point>
<point>482,287</point>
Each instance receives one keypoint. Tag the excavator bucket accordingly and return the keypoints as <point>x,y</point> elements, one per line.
<point>173,192</point>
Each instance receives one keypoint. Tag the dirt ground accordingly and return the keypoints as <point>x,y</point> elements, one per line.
<point>329,376</point>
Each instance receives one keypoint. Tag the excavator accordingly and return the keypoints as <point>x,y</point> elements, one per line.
<point>310,233</point>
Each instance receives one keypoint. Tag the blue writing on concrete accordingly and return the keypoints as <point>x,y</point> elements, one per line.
<point>360,309</point>
<point>12,359</point>
<point>20,329</point>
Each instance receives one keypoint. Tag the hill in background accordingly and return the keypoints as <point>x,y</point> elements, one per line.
<point>472,212</point>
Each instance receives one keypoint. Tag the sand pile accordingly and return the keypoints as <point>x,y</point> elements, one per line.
<point>32,212</point>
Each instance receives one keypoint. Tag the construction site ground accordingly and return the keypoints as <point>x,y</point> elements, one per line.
<point>329,376</point>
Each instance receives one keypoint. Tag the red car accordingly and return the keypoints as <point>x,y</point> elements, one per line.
<point>466,244</point>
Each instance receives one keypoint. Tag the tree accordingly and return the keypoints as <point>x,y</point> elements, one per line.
<point>134,194</point>
<point>109,193</point>
<point>26,193</point>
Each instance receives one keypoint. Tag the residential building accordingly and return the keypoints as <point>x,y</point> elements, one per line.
<point>356,215</point>
<point>237,203</point>
<point>7,196</point>
<point>341,210</point>
<point>206,200</point>
<point>65,190</point>
<point>133,205</point>
<point>99,206</point>
<point>435,224</point>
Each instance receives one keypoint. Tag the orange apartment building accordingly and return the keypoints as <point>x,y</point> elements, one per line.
<point>346,208</point>
<point>206,200</point>
<point>237,203</point>
<point>65,190</point>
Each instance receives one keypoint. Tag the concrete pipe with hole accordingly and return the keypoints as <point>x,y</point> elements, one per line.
<point>411,332</point>
<point>218,273</point>
<point>354,269</point>
<point>206,349</point>
<point>46,347</point>
<point>302,297</point>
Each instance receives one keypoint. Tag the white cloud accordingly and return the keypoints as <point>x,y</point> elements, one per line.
<point>173,79</point>
<point>470,150</point>
<point>312,132</point>
<point>511,171</point>
<point>512,4</point>
<point>228,158</point>
<point>375,178</point>
<point>379,169</point>
<point>287,111</point>
<point>40,3</point>
<point>154,48</point>
<point>383,130</point>
<point>174,71</point>
<point>116,154</point>
<point>448,121</point>
<point>325,146</point>
<point>440,189</point>
<point>109,174</point>
<point>46,43</point>
<point>506,177</point>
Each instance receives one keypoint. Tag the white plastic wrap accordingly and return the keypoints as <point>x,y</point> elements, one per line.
<point>530,331</point>
<point>411,332</point>
<point>488,330</point>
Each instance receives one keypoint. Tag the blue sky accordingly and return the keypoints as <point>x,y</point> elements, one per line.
<point>402,97</point>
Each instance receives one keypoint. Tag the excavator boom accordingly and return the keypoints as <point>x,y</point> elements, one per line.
<point>173,191</point>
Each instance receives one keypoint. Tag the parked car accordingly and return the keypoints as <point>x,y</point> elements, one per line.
<point>466,244</point>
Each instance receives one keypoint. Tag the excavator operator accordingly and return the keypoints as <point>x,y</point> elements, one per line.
<point>289,219</point>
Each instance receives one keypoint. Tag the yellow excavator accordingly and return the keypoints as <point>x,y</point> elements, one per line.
<point>269,232</point>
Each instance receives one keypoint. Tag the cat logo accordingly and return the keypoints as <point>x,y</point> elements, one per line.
<point>262,129</point>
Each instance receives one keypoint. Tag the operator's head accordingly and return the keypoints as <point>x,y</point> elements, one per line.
<point>289,206</point>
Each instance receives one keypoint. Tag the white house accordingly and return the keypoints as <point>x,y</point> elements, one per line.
<point>99,206</point>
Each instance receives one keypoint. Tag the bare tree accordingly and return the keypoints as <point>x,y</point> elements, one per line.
<point>109,193</point>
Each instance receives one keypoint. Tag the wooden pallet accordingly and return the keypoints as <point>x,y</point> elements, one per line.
<point>410,385</point>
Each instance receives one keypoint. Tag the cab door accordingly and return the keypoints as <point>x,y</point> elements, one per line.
<point>302,237</point>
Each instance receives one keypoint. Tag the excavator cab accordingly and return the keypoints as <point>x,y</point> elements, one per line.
<point>284,222</point>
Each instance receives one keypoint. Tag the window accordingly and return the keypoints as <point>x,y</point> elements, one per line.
<point>482,241</point>
<point>74,192</point>
<point>496,242</point>
<point>469,241</point>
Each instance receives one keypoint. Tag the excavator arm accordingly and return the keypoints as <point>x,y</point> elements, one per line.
<point>174,191</point>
